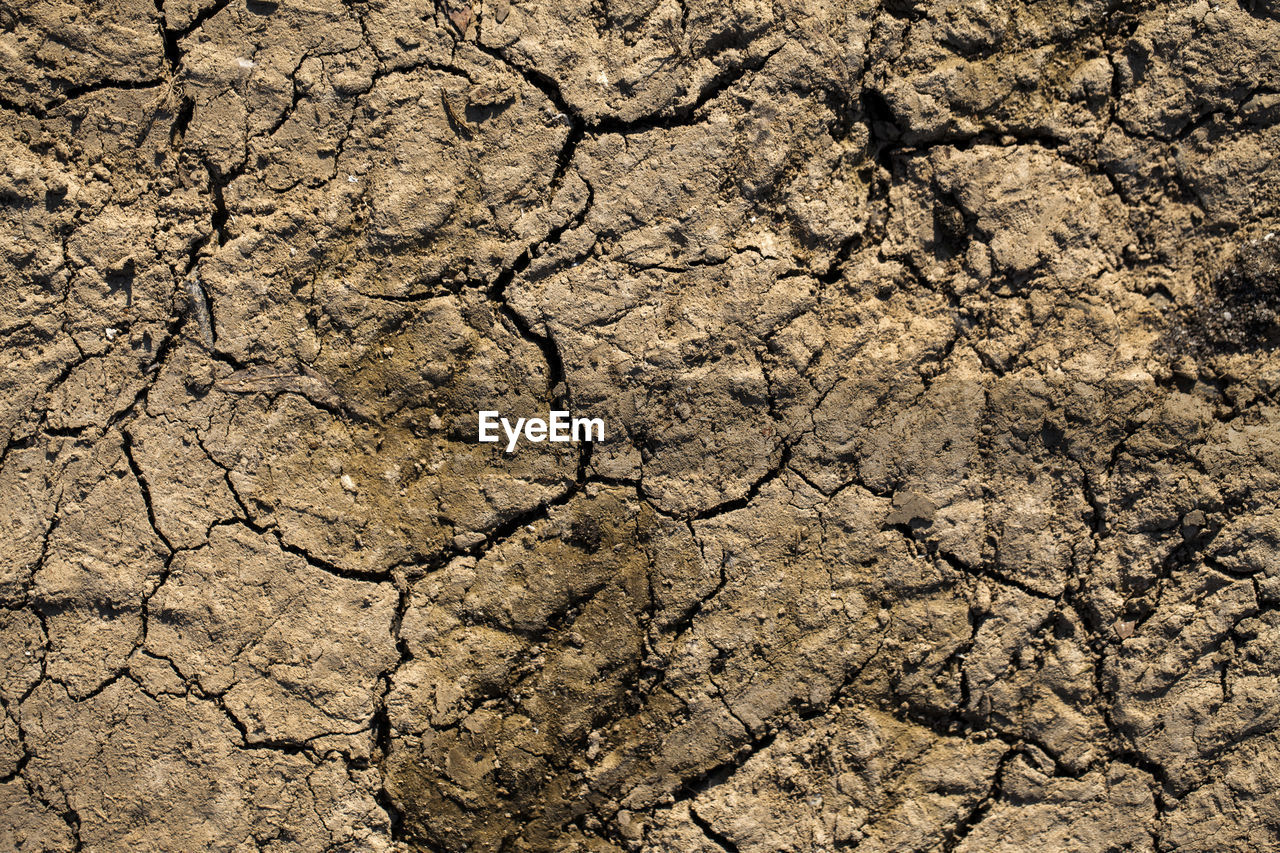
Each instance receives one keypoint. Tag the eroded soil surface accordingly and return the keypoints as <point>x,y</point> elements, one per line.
<point>937,347</point>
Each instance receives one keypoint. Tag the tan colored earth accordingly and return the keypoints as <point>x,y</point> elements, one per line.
<point>937,348</point>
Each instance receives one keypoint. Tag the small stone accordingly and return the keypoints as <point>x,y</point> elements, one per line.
<point>1193,524</point>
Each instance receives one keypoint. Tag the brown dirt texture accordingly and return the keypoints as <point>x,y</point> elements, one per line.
<point>938,352</point>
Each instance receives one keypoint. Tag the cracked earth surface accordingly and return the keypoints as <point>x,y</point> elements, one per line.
<point>936,343</point>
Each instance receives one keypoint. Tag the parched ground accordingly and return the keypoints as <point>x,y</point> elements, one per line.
<point>937,348</point>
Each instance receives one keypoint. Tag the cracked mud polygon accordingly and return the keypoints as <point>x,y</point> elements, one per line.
<point>937,349</point>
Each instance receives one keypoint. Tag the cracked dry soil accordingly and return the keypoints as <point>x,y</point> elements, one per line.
<point>937,346</point>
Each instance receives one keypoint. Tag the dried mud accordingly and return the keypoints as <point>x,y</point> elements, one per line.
<point>936,343</point>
